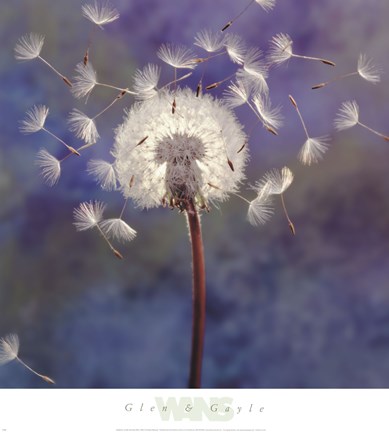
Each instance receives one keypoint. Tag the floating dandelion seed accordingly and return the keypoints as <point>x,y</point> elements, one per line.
<point>9,351</point>
<point>209,41</point>
<point>260,209</point>
<point>85,80</point>
<point>83,126</point>
<point>274,182</point>
<point>266,5</point>
<point>146,81</point>
<point>366,69</point>
<point>177,56</point>
<point>281,50</point>
<point>348,116</point>
<point>35,121</point>
<point>118,230</point>
<point>50,167</point>
<point>235,47</point>
<point>29,47</point>
<point>104,173</point>
<point>100,13</point>
<point>270,117</point>
<point>238,93</point>
<point>314,148</point>
<point>255,70</point>
<point>90,215</point>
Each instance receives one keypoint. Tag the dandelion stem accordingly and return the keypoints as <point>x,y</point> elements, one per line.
<point>63,77</point>
<point>198,323</point>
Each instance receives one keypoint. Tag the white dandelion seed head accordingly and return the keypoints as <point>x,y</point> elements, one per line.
<point>278,181</point>
<point>104,173</point>
<point>281,49</point>
<point>177,56</point>
<point>267,5</point>
<point>35,119</point>
<point>50,167</point>
<point>313,150</point>
<point>184,152</point>
<point>348,115</point>
<point>9,348</point>
<point>235,47</point>
<point>83,126</point>
<point>270,116</point>
<point>146,81</point>
<point>368,70</point>
<point>117,229</point>
<point>88,214</point>
<point>29,46</point>
<point>260,209</point>
<point>209,41</point>
<point>85,80</point>
<point>100,13</point>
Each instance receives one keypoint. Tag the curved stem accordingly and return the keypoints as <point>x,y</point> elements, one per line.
<point>198,319</point>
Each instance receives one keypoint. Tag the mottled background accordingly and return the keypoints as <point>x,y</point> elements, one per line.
<point>282,311</point>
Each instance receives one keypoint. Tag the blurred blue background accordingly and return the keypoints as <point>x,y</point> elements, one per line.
<point>282,311</point>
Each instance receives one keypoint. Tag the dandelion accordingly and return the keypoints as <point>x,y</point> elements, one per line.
<point>50,167</point>
<point>266,5</point>
<point>314,148</point>
<point>35,121</point>
<point>366,69</point>
<point>281,50</point>
<point>348,116</point>
<point>9,351</point>
<point>100,13</point>
<point>181,154</point>
<point>29,47</point>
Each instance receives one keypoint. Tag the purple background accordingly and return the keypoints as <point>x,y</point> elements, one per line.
<point>309,311</point>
